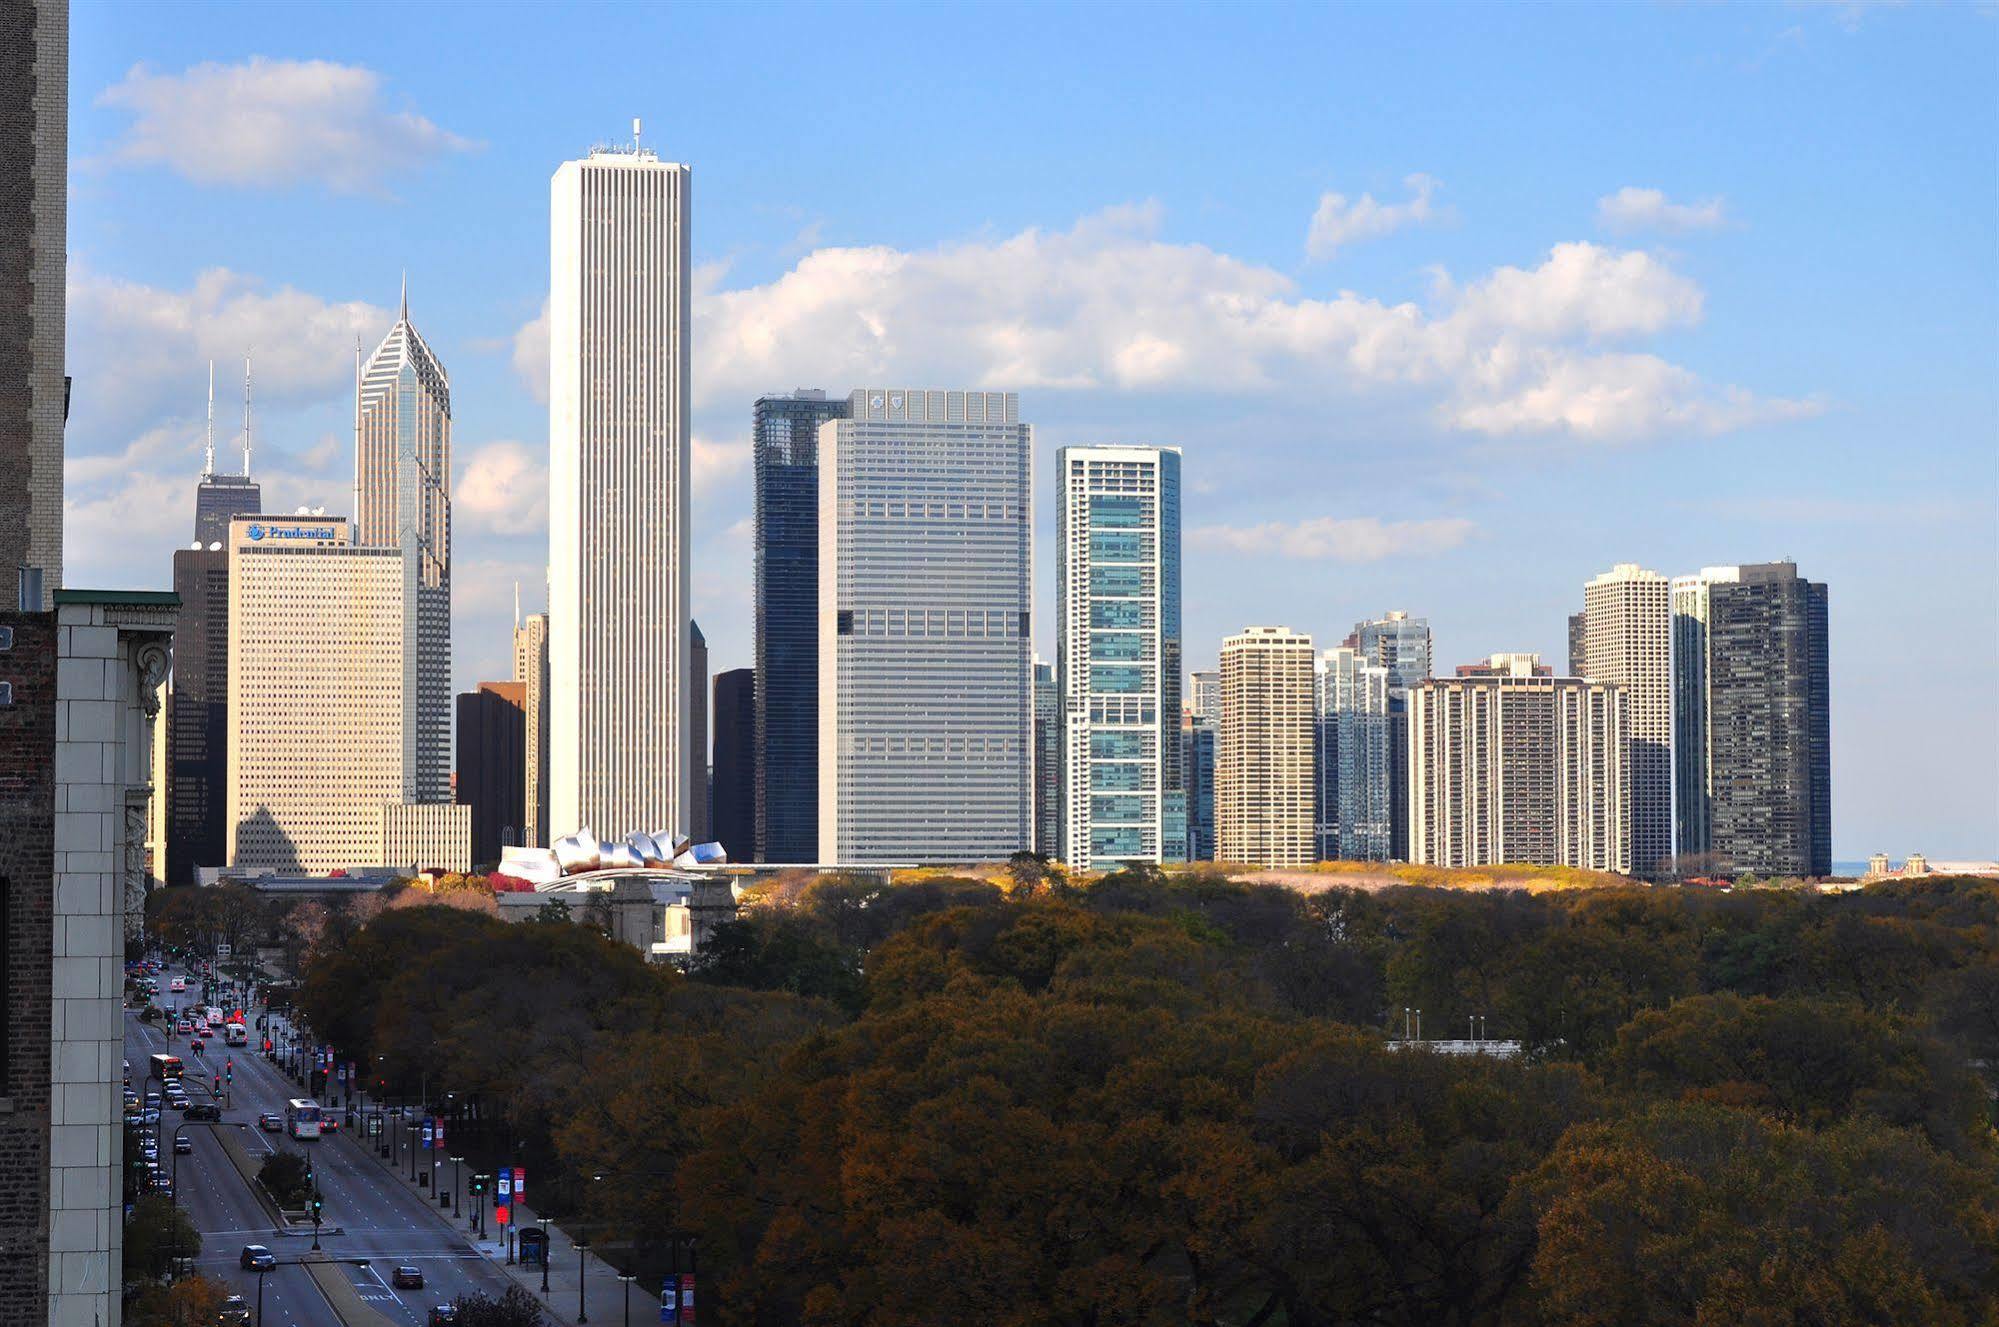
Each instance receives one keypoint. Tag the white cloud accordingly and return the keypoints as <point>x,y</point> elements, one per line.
<point>1106,304</point>
<point>1632,208</point>
<point>139,351</point>
<point>273,122</point>
<point>502,488</point>
<point>1338,539</point>
<point>531,354</point>
<point>1338,222</point>
<point>715,463</point>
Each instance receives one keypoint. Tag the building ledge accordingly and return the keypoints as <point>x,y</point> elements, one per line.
<point>151,598</point>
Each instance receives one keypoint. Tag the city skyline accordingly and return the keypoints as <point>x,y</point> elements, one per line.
<point>1278,522</point>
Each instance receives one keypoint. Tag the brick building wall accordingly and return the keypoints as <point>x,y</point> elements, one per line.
<point>27,871</point>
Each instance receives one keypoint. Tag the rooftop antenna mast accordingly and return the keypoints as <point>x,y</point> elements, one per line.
<point>208,450</point>
<point>247,418</point>
<point>637,131</point>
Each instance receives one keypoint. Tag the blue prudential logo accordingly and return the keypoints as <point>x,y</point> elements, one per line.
<point>255,532</point>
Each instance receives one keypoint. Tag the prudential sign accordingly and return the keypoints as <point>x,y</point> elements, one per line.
<point>262,532</point>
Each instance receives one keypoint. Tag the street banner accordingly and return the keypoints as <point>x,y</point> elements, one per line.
<point>687,1299</point>
<point>520,1184</point>
<point>426,1135</point>
<point>506,1189</point>
<point>437,1132</point>
<point>669,1304</point>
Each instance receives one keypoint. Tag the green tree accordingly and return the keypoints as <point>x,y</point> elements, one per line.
<point>157,1232</point>
<point>1696,1213</point>
<point>283,1176</point>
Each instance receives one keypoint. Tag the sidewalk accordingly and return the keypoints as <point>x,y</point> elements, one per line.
<point>603,1294</point>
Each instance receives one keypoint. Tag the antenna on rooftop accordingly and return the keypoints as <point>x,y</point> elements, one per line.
<point>248,423</point>
<point>637,130</point>
<point>208,450</point>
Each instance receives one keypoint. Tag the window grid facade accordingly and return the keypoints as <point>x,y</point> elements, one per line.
<point>784,442</point>
<point>925,712</point>
<point>1118,656</point>
<point>621,755</point>
<point>1401,644</point>
<point>1520,769</point>
<point>1627,638</point>
<point>1263,764</point>
<point>1351,769</point>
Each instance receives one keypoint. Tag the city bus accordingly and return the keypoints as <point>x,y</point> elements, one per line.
<point>302,1118</point>
<point>166,1068</point>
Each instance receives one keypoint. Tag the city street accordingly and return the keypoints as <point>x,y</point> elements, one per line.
<point>380,1220</point>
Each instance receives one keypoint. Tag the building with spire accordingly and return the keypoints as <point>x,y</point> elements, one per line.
<point>220,498</point>
<point>402,500</point>
<point>197,730</point>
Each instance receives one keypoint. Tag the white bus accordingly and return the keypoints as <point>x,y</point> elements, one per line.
<point>302,1118</point>
<point>236,1034</point>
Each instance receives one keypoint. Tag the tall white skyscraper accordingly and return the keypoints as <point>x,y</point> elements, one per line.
<point>402,500</point>
<point>1117,536</point>
<point>925,717</point>
<point>1627,638</point>
<point>620,698</point>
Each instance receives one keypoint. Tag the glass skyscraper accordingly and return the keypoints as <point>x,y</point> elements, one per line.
<point>1118,659</point>
<point>1401,644</point>
<point>784,440</point>
<point>1047,761</point>
<point>1351,762</point>
<point>1752,740</point>
<point>925,517</point>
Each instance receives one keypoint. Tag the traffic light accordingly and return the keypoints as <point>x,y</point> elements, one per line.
<point>229,1069</point>
<point>316,1205</point>
<point>308,1173</point>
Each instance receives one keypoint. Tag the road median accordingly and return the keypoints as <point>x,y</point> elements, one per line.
<point>345,1300</point>
<point>247,1166</point>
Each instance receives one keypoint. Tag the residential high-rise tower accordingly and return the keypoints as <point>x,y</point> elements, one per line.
<point>924,637</point>
<point>1047,761</point>
<point>1401,644</point>
<point>620,697</point>
<point>1510,764</point>
<point>784,444</point>
<point>1627,638</point>
<point>1351,784</point>
<point>1118,657</point>
<point>1752,721</point>
<point>1263,765</point>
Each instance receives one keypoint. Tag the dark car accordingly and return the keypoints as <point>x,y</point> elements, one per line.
<point>233,1313</point>
<point>257,1258</point>
<point>204,1110</point>
<point>407,1278</point>
<point>270,1121</point>
<point>182,1143</point>
<point>443,1315</point>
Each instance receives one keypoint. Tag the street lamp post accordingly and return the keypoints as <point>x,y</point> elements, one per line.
<point>627,1279</point>
<point>544,1251</point>
<point>582,1279</point>
<point>457,1168</point>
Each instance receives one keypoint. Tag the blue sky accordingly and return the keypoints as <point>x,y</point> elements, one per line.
<point>1449,307</point>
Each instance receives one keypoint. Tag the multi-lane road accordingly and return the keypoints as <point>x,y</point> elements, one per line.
<point>381,1219</point>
